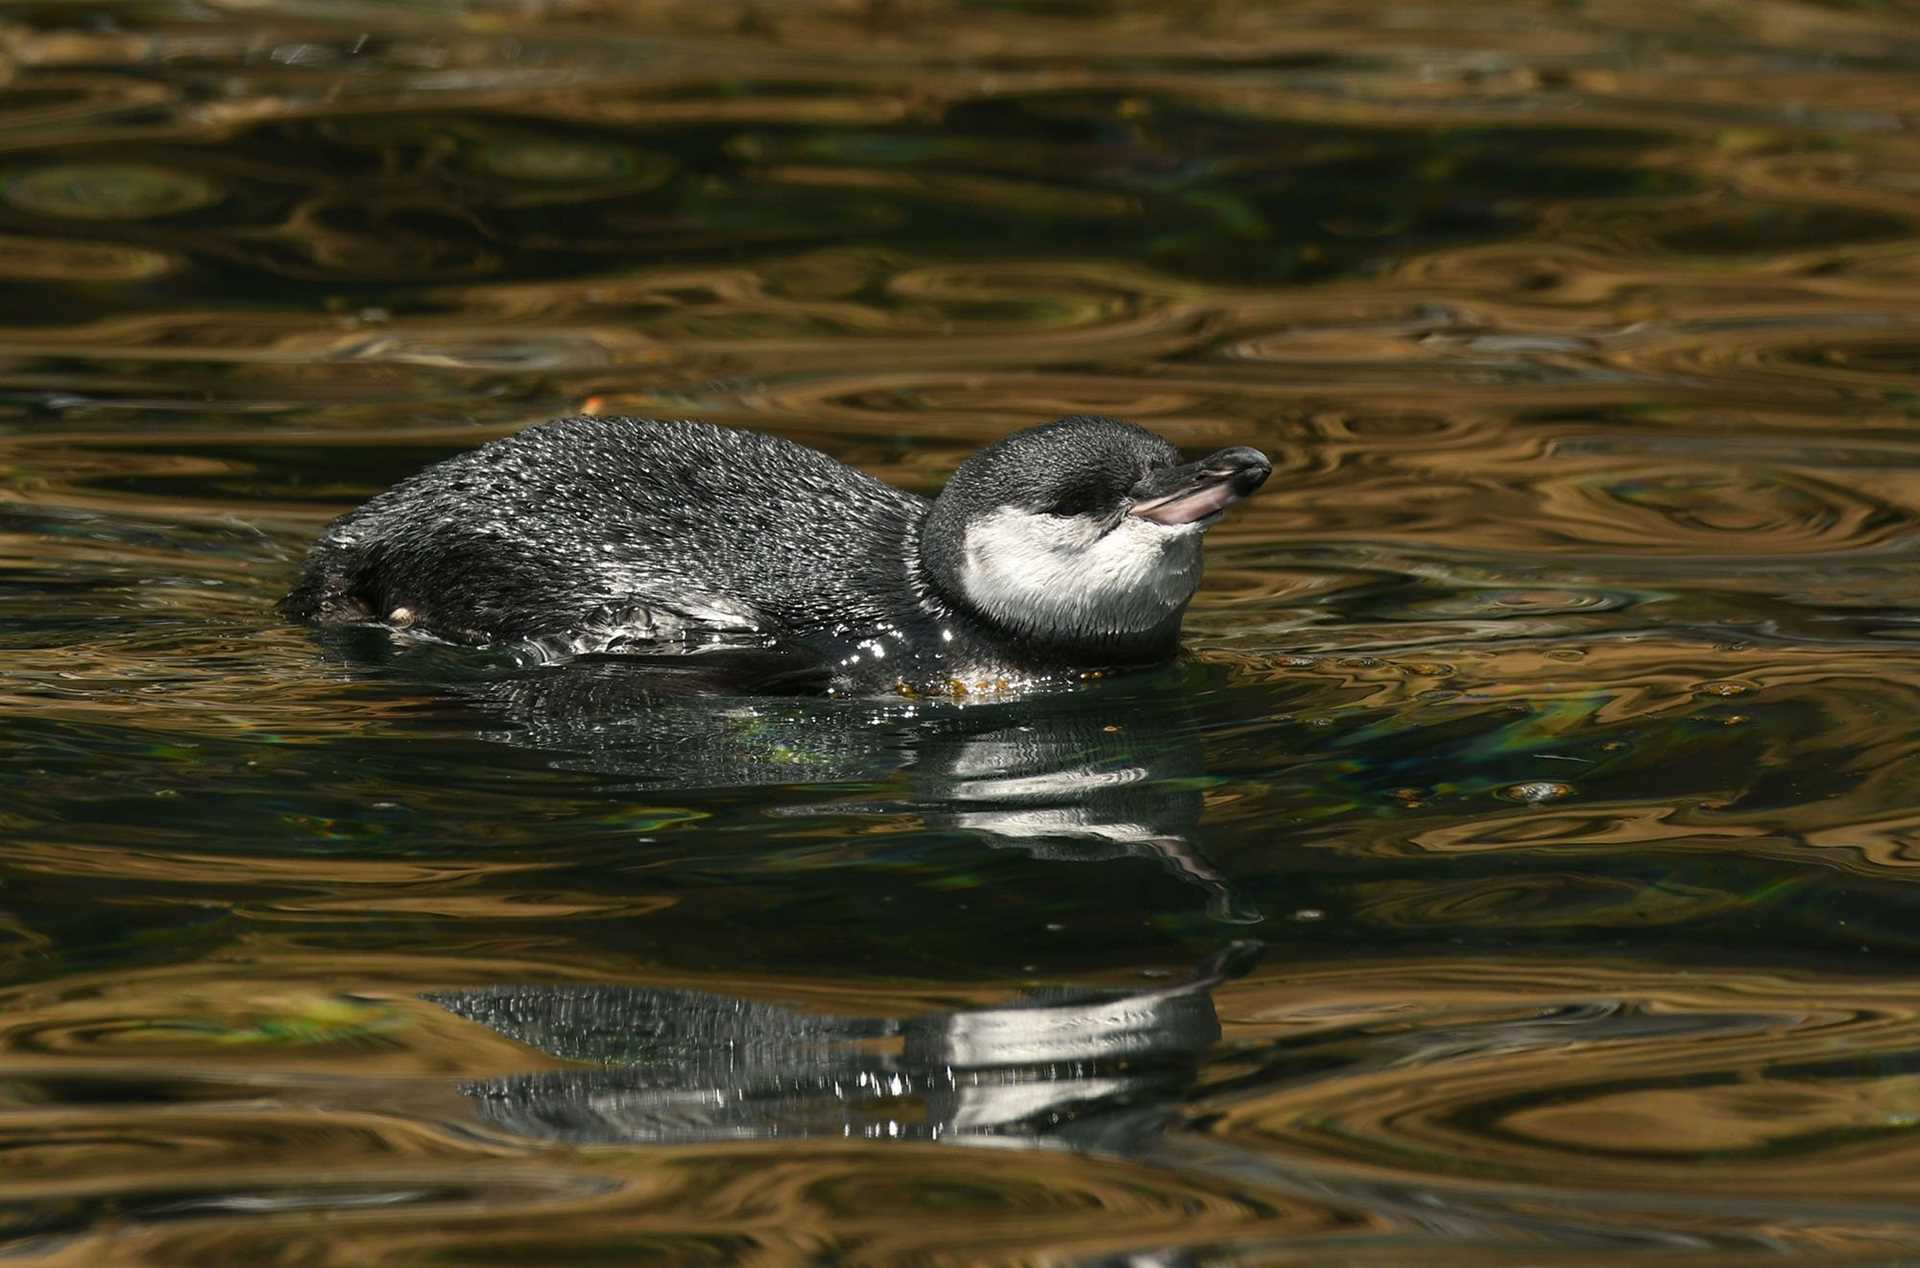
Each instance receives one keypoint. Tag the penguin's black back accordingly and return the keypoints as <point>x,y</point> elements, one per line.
<point>655,526</point>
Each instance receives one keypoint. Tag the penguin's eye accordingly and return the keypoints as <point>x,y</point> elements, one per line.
<point>1082,497</point>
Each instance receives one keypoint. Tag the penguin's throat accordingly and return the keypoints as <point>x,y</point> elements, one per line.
<point>1073,580</point>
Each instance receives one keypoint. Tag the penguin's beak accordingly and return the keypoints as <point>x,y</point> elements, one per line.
<point>1200,491</point>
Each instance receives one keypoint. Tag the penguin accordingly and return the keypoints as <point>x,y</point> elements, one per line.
<point>1064,550</point>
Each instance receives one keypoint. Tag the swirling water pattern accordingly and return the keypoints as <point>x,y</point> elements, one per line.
<point>1515,872</point>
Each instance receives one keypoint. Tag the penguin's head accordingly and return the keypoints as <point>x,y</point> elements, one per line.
<point>1085,532</point>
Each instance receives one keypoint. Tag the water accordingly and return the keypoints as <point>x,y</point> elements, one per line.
<point>1515,872</point>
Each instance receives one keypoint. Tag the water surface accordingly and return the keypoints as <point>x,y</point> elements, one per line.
<point>1514,872</point>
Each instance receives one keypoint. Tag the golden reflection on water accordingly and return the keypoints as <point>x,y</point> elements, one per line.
<point>1553,706</point>
<point>1526,1106</point>
<point>1641,1076</point>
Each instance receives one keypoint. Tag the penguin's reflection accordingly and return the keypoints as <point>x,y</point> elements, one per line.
<point>1091,775</point>
<point>1088,1069</point>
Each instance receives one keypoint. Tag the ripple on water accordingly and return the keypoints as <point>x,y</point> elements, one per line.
<point>397,1150</point>
<point>1501,1082</point>
<point>50,259</point>
<point>1349,1106</point>
<point>107,191</point>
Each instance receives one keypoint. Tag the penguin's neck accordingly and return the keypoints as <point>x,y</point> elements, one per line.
<point>1011,599</point>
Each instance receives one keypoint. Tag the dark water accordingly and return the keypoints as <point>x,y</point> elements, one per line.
<point>1518,871</point>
